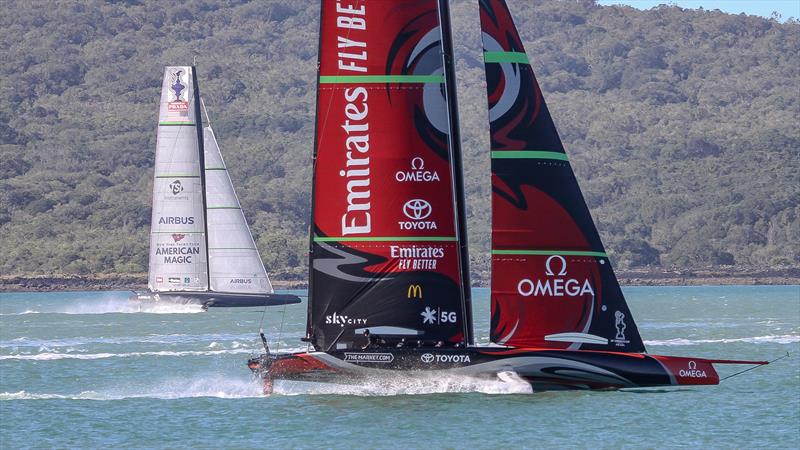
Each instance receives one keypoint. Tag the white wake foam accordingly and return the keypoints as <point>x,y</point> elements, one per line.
<point>50,356</point>
<point>408,384</point>
<point>212,385</point>
<point>113,304</point>
<point>779,339</point>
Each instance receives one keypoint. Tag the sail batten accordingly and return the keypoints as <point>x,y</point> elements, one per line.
<point>552,283</point>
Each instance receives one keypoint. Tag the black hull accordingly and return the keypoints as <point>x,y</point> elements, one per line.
<point>218,299</point>
<point>544,369</point>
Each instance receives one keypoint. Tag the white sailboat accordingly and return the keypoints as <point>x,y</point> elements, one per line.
<point>201,248</point>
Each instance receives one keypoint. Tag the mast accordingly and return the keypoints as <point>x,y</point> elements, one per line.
<point>310,300</point>
<point>454,138</point>
<point>202,155</point>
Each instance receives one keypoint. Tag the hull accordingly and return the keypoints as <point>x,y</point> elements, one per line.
<point>544,369</point>
<point>217,299</point>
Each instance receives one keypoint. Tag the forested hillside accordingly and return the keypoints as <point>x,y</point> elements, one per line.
<point>682,126</point>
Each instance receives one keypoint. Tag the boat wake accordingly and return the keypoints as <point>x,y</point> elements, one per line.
<point>213,385</point>
<point>51,356</point>
<point>113,305</point>
<point>409,384</point>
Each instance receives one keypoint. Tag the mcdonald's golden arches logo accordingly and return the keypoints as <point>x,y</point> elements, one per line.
<point>414,291</point>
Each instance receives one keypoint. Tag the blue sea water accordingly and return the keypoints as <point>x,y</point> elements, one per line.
<point>92,370</point>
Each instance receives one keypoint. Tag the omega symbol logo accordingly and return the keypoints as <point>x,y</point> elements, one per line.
<point>549,269</point>
<point>692,365</point>
<point>417,163</point>
<point>417,209</point>
<point>426,358</point>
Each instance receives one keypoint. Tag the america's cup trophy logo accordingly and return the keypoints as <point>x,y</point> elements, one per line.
<point>178,101</point>
<point>620,324</point>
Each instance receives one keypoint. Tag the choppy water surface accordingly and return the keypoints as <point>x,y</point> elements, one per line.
<point>96,370</point>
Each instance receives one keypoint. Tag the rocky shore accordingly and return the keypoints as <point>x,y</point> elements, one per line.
<point>639,277</point>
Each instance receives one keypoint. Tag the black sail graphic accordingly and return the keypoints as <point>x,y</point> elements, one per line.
<point>386,249</point>
<point>552,282</point>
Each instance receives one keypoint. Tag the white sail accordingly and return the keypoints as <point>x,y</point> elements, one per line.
<point>177,232</point>
<point>234,264</point>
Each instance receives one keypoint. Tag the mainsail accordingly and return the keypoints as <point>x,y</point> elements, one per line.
<point>385,250</point>
<point>552,283</point>
<point>234,262</point>
<point>178,260</point>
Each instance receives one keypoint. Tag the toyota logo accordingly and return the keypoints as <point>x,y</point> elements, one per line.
<point>417,209</point>
<point>426,358</point>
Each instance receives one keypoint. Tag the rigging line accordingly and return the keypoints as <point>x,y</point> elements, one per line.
<point>754,367</point>
<point>280,330</point>
<point>203,104</point>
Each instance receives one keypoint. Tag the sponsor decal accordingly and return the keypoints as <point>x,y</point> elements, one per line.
<point>178,237</point>
<point>414,291</point>
<point>187,280</point>
<point>428,358</point>
<point>437,316</point>
<point>417,210</point>
<point>557,284</point>
<point>416,257</point>
<point>176,220</point>
<point>174,279</point>
<point>369,357</point>
<point>692,371</point>
<point>178,255</point>
<point>417,173</point>
<point>357,219</point>
<point>619,324</point>
<point>241,281</point>
<point>176,187</point>
<point>342,320</point>
<point>177,93</point>
<point>159,280</point>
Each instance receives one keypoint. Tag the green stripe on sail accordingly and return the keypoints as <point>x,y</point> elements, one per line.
<point>223,207</point>
<point>176,124</point>
<point>176,232</point>
<point>386,239</point>
<point>501,57</point>
<point>177,175</point>
<point>550,252</point>
<point>528,154</point>
<point>216,168</point>
<point>231,248</point>
<point>329,79</point>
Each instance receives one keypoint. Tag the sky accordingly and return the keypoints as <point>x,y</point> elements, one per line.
<point>764,8</point>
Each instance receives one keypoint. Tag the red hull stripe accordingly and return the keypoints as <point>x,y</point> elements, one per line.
<point>528,154</point>
<point>361,79</point>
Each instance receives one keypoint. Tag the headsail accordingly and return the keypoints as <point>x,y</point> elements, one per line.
<point>552,283</point>
<point>385,247</point>
<point>178,259</point>
<point>234,262</point>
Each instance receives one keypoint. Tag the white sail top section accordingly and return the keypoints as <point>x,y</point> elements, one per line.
<point>234,265</point>
<point>177,232</point>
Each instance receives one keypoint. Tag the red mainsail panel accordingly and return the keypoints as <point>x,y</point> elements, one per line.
<point>385,253</point>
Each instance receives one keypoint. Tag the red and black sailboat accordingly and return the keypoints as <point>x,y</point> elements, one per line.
<point>389,288</point>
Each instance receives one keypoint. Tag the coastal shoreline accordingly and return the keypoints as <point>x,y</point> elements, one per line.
<point>640,277</point>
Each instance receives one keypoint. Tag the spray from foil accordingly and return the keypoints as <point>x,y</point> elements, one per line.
<point>507,382</point>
